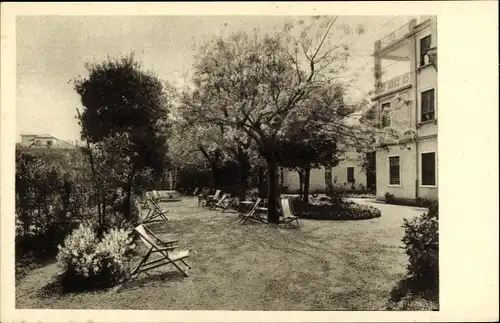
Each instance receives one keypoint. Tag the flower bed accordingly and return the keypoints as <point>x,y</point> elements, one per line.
<point>323,210</point>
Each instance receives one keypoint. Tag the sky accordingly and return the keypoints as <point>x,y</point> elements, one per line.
<point>52,50</point>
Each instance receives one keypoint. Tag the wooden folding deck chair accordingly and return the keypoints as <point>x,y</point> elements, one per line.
<point>286,211</point>
<point>223,203</point>
<point>145,199</point>
<point>157,197</point>
<point>203,197</point>
<point>252,214</point>
<point>165,250</point>
<point>212,199</point>
<point>155,213</point>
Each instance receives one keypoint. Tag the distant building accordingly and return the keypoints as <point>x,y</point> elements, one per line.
<point>43,141</point>
<point>406,100</point>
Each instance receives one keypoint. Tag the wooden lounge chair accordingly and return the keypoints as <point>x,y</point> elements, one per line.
<point>157,197</point>
<point>287,214</point>
<point>164,250</point>
<point>252,214</point>
<point>145,199</point>
<point>155,213</point>
<point>223,202</point>
<point>203,197</point>
<point>212,199</point>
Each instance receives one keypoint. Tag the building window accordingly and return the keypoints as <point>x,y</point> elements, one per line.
<point>394,171</point>
<point>425,44</point>
<point>38,142</point>
<point>427,105</point>
<point>386,121</point>
<point>328,177</point>
<point>428,169</point>
<point>350,174</point>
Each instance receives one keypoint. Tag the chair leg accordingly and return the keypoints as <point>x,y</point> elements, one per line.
<point>180,269</point>
<point>146,257</point>
<point>185,263</point>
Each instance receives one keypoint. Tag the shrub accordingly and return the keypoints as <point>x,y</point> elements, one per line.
<point>89,263</point>
<point>253,194</point>
<point>52,189</point>
<point>327,211</point>
<point>389,198</point>
<point>336,194</point>
<point>421,202</point>
<point>421,244</point>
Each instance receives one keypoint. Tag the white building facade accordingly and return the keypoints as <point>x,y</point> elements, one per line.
<point>406,101</point>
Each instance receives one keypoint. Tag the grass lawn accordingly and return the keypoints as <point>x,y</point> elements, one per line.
<point>324,265</point>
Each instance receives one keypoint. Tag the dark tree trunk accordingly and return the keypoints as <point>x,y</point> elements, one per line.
<point>214,175</point>
<point>102,215</point>
<point>261,181</point>
<point>301,182</point>
<point>244,169</point>
<point>307,178</point>
<point>272,192</point>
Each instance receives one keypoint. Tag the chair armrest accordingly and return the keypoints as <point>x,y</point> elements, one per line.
<point>163,242</point>
<point>164,249</point>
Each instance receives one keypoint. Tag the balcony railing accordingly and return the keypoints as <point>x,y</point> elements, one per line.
<point>394,84</point>
<point>395,35</point>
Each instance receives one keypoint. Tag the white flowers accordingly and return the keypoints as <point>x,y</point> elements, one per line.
<point>83,254</point>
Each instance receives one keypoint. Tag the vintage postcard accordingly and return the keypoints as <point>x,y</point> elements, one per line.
<point>249,162</point>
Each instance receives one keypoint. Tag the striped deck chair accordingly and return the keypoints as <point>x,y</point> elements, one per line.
<point>163,250</point>
<point>287,214</point>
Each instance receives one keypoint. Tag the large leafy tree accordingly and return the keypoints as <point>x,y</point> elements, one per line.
<point>255,83</point>
<point>193,144</point>
<point>119,97</point>
<point>307,143</point>
<point>217,139</point>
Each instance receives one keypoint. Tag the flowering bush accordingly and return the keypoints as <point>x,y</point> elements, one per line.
<point>336,194</point>
<point>421,245</point>
<point>325,210</point>
<point>112,253</point>
<point>88,262</point>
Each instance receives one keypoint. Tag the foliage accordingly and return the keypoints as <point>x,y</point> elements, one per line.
<point>411,302</point>
<point>253,194</point>
<point>421,242</point>
<point>90,263</point>
<point>52,193</point>
<point>336,194</point>
<point>255,84</point>
<point>421,202</point>
<point>304,145</point>
<point>328,211</point>
<point>419,290</point>
<point>125,118</point>
<point>389,198</point>
<point>119,97</point>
